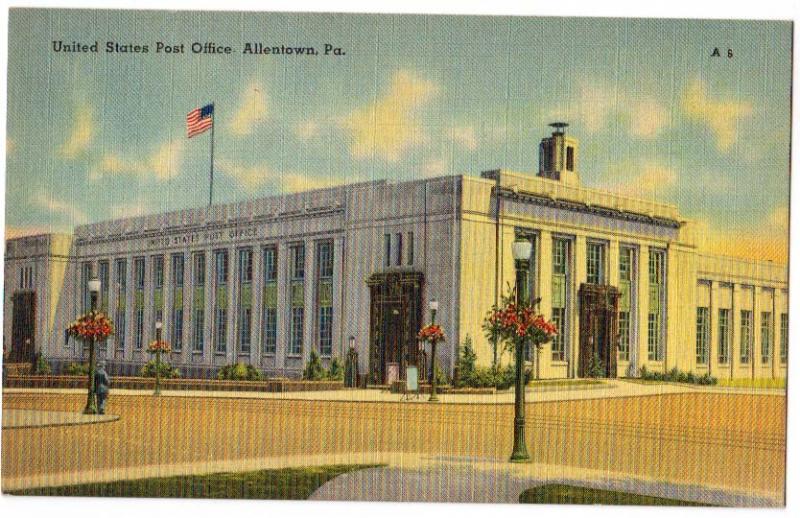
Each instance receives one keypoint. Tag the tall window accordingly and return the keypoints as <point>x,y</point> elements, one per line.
<point>198,339</point>
<point>198,301</point>
<point>221,330</point>
<point>245,314</point>
<point>410,248</point>
<point>656,306</point>
<point>560,299</point>
<point>595,263</point>
<point>86,275</point>
<point>176,279</point>
<point>570,158</point>
<point>296,335</point>
<point>297,255</point>
<point>121,287</point>
<point>784,351</point>
<point>103,275</point>
<point>138,313</point>
<point>158,271</point>
<point>398,249</point>
<point>703,331</point>
<point>625,301</point>
<point>746,336</point>
<point>221,267</point>
<point>138,328</point>
<point>269,320</point>
<point>325,297</point>
<point>178,267</point>
<point>766,337</point>
<point>387,249</point>
<point>724,332</point>
<point>138,267</point>
<point>199,270</point>
<point>220,301</point>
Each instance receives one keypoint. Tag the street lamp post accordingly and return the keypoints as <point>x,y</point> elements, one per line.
<point>157,391</point>
<point>521,250</point>
<point>91,404</point>
<point>434,307</point>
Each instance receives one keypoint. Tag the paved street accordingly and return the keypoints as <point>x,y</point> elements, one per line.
<point>689,438</point>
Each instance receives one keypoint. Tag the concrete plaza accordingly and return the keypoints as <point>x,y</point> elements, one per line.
<point>634,434</point>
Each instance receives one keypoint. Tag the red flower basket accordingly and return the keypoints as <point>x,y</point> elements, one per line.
<point>514,323</point>
<point>432,333</point>
<point>94,325</point>
<point>158,346</point>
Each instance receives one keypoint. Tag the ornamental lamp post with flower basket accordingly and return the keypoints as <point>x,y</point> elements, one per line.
<point>91,327</point>
<point>157,347</point>
<point>432,334</point>
<point>516,323</point>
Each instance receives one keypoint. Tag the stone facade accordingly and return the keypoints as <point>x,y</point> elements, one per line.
<point>284,275</point>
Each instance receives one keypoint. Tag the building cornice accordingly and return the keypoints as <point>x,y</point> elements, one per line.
<point>585,208</point>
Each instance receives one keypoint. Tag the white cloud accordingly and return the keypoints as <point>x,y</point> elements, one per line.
<point>389,125</point>
<point>163,164</point>
<point>296,182</point>
<point>722,116</point>
<point>435,167</point>
<point>652,180</point>
<point>307,130</point>
<point>249,177</point>
<point>57,207</point>
<point>252,110</point>
<point>81,134</point>
<point>648,118</point>
<point>465,136</point>
<point>597,104</point>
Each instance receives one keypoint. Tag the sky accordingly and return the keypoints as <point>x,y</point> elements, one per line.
<point>95,136</point>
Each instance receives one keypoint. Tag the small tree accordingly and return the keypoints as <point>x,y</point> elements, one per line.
<point>336,372</point>
<point>466,363</point>
<point>42,367</point>
<point>314,370</point>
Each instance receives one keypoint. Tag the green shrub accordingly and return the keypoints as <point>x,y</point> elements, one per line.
<point>597,368</point>
<point>77,369</point>
<point>41,368</point>
<point>165,370</point>
<point>336,372</point>
<point>466,363</point>
<point>314,370</point>
<point>239,372</point>
<point>441,377</point>
<point>677,375</point>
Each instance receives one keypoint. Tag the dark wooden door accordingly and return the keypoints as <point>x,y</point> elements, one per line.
<point>395,316</point>
<point>23,327</point>
<point>599,338</point>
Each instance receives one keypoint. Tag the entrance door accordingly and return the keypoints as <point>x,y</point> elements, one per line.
<point>23,326</point>
<point>395,306</point>
<point>599,338</point>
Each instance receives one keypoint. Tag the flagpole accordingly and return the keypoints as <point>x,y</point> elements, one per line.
<point>211,183</point>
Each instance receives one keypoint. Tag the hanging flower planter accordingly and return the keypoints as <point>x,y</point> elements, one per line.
<point>94,325</point>
<point>432,333</point>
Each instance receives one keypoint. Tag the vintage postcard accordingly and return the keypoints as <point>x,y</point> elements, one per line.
<point>418,258</point>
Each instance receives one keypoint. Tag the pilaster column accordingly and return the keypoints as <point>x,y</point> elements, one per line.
<point>713,322</point>
<point>736,322</point>
<point>642,286</point>
<point>284,311</point>
<point>578,277</point>
<point>309,301</point>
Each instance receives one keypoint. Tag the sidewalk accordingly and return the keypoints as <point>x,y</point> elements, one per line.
<point>475,480</point>
<point>19,418</point>
<point>609,389</point>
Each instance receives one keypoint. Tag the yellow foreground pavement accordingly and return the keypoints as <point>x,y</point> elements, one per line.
<point>716,440</point>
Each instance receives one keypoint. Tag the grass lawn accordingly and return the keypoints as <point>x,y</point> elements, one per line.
<point>564,494</point>
<point>753,383</point>
<point>270,484</point>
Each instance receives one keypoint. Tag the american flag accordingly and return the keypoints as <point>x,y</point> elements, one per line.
<point>199,120</point>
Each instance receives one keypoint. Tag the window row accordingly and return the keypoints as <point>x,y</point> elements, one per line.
<point>398,249</point>
<point>746,336</point>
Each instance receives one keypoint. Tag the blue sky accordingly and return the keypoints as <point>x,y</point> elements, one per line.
<point>98,136</point>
